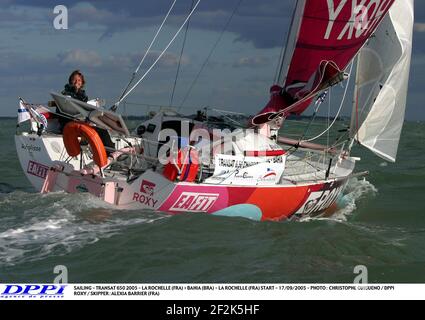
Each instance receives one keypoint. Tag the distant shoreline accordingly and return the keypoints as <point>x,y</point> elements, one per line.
<point>296,118</point>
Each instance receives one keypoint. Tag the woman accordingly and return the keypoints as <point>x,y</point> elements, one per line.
<point>75,85</point>
<point>74,89</point>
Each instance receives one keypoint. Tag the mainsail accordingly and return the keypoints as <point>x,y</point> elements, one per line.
<point>382,81</point>
<point>325,37</point>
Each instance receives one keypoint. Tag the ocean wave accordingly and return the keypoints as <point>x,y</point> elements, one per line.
<point>41,226</point>
<point>355,191</point>
<point>6,188</point>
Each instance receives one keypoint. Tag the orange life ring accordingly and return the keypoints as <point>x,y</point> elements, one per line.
<point>75,130</point>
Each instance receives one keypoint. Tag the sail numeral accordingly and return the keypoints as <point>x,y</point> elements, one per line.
<point>365,15</point>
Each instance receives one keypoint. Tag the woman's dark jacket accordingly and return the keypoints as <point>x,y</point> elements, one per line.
<point>72,91</point>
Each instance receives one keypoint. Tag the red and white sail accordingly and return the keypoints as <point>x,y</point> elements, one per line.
<point>382,81</point>
<point>325,37</point>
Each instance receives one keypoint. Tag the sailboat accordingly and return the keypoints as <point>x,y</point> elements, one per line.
<point>253,173</point>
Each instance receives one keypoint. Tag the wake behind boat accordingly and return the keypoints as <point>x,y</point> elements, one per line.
<point>189,165</point>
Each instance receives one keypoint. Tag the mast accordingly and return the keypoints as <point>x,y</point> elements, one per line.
<point>291,41</point>
<point>354,113</point>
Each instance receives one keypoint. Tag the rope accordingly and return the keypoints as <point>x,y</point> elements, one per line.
<point>180,59</point>
<point>163,52</point>
<point>318,103</point>
<point>329,116</point>
<point>285,46</point>
<point>228,112</point>
<point>224,114</point>
<point>320,99</point>
<point>144,57</point>
<point>339,110</point>
<point>210,54</point>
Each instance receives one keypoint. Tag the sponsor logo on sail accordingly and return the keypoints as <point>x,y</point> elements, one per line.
<point>363,17</point>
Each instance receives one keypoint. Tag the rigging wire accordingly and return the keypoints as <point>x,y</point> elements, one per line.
<point>279,69</point>
<point>210,54</point>
<point>319,101</point>
<point>162,53</point>
<point>339,110</point>
<point>279,64</point>
<point>328,118</point>
<point>226,115</point>
<point>114,108</point>
<point>181,56</point>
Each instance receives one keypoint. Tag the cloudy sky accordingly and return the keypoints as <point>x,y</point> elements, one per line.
<point>107,38</point>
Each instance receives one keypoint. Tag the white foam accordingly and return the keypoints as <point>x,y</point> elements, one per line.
<point>57,224</point>
<point>356,190</point>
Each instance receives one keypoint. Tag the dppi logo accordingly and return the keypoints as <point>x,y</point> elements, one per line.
<point>147,190</point>
<point>33,291</point>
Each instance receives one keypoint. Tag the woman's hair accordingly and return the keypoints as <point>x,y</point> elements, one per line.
<point>76,73</point>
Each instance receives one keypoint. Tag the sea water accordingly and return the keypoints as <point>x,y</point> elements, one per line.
<point>380,224</point>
